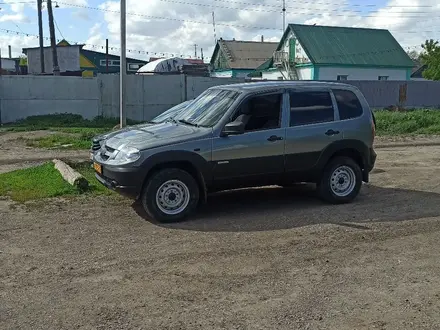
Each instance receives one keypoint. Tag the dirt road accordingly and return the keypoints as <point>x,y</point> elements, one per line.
<point>265,258</point>
<point>16,155</point>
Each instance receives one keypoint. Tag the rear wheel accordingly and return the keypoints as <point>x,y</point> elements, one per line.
<point>170,195</point>
<point>341,181</point>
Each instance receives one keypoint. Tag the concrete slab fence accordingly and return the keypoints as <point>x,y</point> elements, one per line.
<point>148,96</point>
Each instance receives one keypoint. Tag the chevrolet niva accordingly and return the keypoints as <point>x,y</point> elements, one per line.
<point>244,135</point>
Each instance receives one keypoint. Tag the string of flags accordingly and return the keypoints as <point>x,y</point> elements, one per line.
<point>133,51</point>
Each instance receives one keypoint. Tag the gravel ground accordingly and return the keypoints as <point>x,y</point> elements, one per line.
<point>267,258</point>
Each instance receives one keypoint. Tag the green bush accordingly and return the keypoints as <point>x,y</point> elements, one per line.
<point>420,121</point>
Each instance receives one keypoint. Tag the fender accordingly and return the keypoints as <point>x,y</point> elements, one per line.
<point>203,167</point>
<point>340,145</point>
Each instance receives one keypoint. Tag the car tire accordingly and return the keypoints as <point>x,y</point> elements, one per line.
<point>341,181</point>
<point>170,195</point>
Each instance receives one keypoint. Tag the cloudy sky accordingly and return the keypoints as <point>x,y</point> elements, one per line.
<point>173,27</point>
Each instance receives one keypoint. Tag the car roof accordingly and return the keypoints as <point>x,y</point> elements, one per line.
<point>263,85</point>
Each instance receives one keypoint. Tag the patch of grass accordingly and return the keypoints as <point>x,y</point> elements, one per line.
<point>34,183</point>
<point>45,181</point>
<point>44,122</point>
<point>67,138</point>
<point>83,131</point>
<point>412,122</point>
<point>88,172</point>
<point>61,141</point>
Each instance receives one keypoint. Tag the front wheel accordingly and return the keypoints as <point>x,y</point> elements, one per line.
<point>170,195</point>
<point>341,181</point>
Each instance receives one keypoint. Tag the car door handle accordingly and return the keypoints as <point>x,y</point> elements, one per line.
<point>331,132</point>
<point>274,138</point>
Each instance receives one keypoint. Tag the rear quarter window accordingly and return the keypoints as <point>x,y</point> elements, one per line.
<point>348,104</point>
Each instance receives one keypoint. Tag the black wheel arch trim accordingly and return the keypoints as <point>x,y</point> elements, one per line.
<point>341,145</point>
<point>202,166</point>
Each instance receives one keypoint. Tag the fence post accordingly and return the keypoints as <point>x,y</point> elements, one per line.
<point>1,99</point>
<point>183,87</point>
<point>402,95</point>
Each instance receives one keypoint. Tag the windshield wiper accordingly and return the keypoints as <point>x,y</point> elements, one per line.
<point>171,119</point>
<point>187,122</point>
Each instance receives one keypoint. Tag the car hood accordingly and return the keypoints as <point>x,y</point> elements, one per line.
<point>151,136</point>
<point>125,129</point>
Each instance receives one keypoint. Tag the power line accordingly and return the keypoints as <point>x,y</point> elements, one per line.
<point>133,51</point>
<point>277,6</point>
<point>18,27</point>
<point>280,8</point>
<point>332,12</point>
<point>325,3</point>
<point>399,15</point>
<point>56,24</point>
<point>168,18</point>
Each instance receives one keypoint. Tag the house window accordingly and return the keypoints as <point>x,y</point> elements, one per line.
<point>134,66</point>
<point>383,77</point>
<point>110,62</point>
<point>342,77</point>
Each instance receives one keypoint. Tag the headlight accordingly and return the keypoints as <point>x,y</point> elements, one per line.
<point>126,155</point>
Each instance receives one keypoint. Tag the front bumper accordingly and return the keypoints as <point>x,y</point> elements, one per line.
<point>126,181</point>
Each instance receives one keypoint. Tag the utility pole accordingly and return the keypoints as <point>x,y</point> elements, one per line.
<point>40,33</point>
<point>123,65</point>
<point>284,15</point>
<point>195,50</point>
<point>213,26</point>
<point>106,55</point>
<point>56,68</point>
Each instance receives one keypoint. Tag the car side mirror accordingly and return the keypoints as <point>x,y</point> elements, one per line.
<point>233,128</point>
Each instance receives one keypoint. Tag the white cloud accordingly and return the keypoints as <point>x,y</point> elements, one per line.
<point>186,24</point>
<point>15,18</point>
<point>17,43</point>
<point>145,31</point>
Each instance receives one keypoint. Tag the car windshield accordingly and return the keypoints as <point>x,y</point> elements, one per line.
<point>207,109</point>
<point>170,112</point>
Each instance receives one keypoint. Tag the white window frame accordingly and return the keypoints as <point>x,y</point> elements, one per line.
<point>341,77</point>
<point>110,62</point>
<point>383,77</point>
<point>134,70</point>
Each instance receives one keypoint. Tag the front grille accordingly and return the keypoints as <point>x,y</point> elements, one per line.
<point>106,152</point>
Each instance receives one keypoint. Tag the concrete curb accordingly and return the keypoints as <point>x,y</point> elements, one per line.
<point>406,144</point>
<point>40,159</point>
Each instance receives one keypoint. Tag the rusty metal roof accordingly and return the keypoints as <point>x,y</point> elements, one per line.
<point>246,54</point>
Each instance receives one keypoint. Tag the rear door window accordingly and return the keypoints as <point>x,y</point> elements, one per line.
<point>348,104</point>
<point>310,107</point>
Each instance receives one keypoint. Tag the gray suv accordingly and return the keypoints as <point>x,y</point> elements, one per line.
<point>245,135</point>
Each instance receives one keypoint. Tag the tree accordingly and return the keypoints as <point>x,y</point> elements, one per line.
<point>414,55</point>
<point>431,58</point>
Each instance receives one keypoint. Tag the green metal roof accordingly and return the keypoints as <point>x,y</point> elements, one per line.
<point>349,46</point>
<point>263,67</point>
